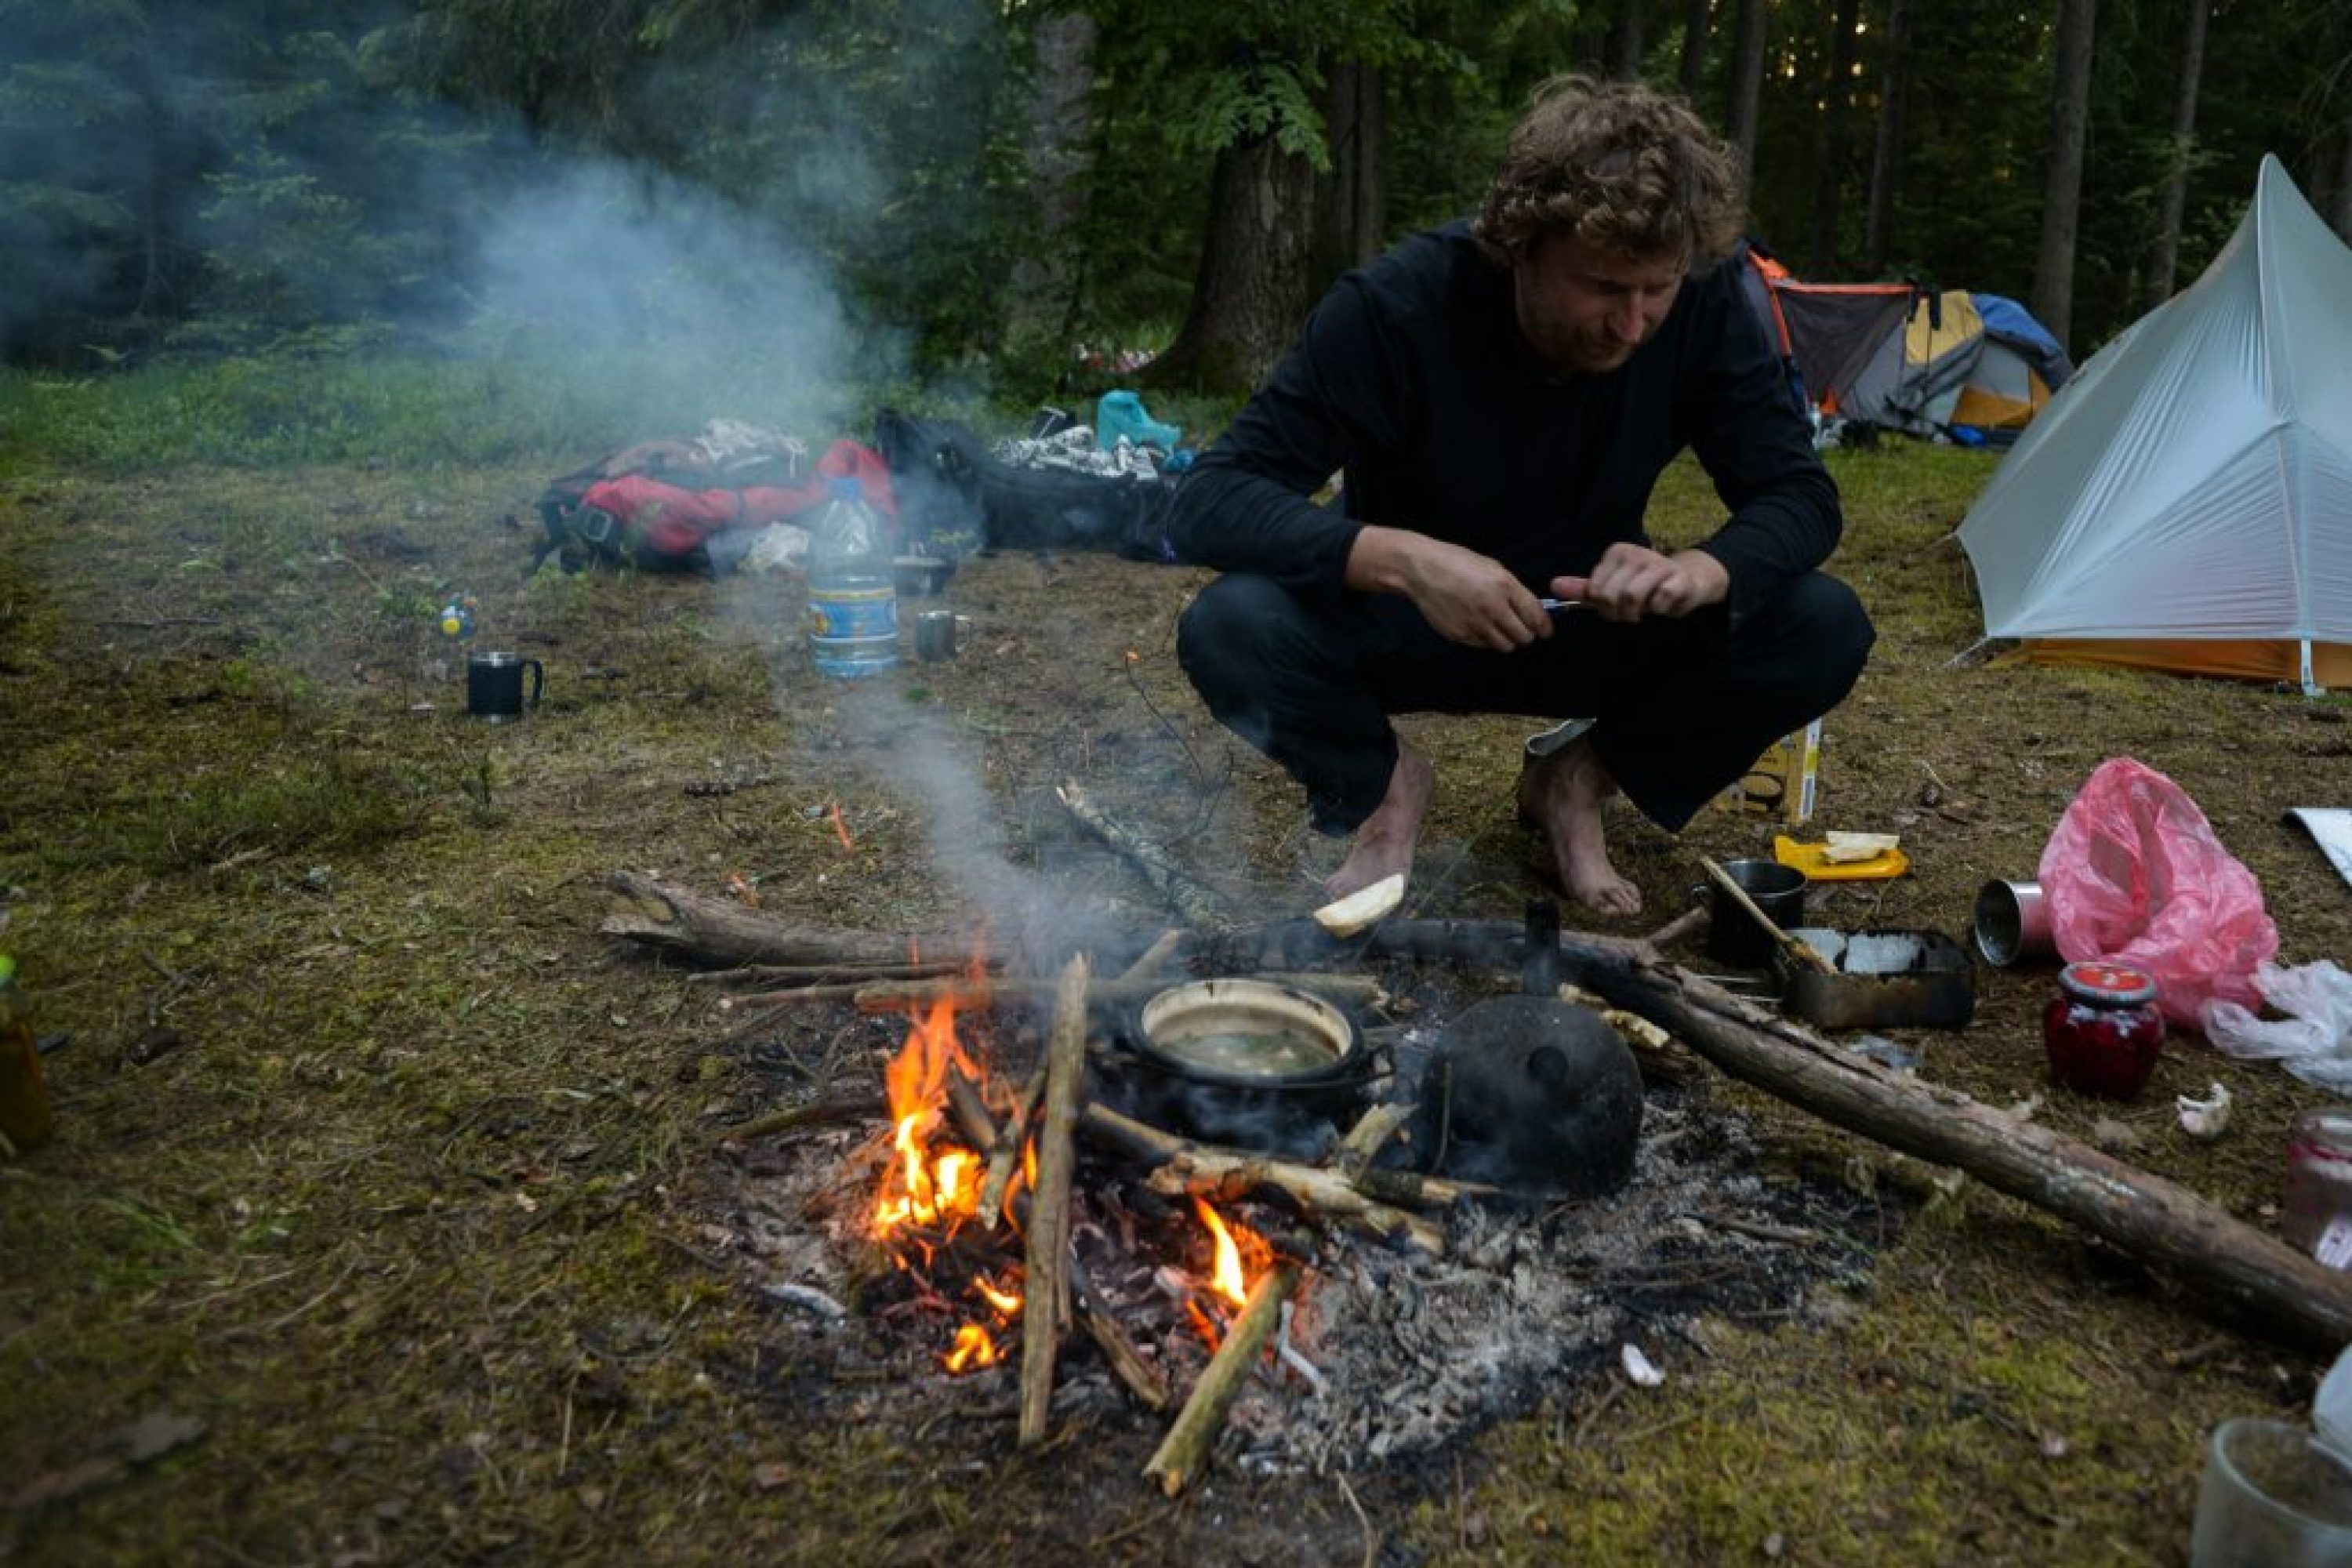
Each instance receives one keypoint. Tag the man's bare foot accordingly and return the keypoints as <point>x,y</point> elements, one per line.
<point>1384,844</point>
<point>1564,794</point>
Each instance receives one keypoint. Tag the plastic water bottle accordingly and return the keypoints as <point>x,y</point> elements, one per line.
<point>853,598</point>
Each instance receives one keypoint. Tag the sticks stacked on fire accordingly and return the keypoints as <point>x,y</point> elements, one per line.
<point>1047,1115</point>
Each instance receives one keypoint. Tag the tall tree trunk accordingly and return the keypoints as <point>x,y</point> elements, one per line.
<point>1625,41</point>
<point>1887,155</point>
<point>1747,87</point>
<point>1351,201</point>
<point>1061,128</point>
<point>2061,192</point>
<point>1252,287</point>
<point>2165,259</point>
<point>1837,114</point>
<point>1694,28</point>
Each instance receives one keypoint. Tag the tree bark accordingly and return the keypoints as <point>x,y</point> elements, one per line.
<point>1695,13</point>
<point>1837,113</point>
<point>1252,287</point>
<point>2165,262</point>
<point>1351,201</point>
<point>1061,130</point>
<point>1747,87</point>
<point>1626,41</point>
<point>1886,153</point>
<point>2061,199</point>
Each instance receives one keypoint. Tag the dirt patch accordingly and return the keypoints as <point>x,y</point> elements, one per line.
<point>381,1164</point>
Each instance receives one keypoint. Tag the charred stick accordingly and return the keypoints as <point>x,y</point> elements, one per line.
<point>1179,1165</point>
<point>1154,956</point>
<point>971,1114</point>
<point>1142,1379</point>
<point>1046,1311</point>
<point>1005,1150</point>
<point>1183,1454</point>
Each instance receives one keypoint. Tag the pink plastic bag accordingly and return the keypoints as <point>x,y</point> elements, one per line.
<point>2134,872</point>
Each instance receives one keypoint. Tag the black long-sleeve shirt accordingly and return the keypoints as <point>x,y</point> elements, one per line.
<point>1412,379</point>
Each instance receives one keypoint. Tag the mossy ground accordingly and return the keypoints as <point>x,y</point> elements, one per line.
<point>378,1161</point>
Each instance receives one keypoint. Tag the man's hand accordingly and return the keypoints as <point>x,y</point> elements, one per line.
<point>1631,580</point>
<point>1467,597</point>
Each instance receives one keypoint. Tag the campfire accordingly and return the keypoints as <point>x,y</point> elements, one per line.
<point>944,1212</point>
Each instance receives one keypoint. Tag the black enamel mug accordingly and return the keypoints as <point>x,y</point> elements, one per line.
<point>494,685</point>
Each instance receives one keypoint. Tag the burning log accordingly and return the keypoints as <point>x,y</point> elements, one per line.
<point>1182,1166</point>
<point>1183,1454</point>
<point>1004,1149</point>
<point>722,932</point>
<point>1195,902</point>
<point>1046,1295</point>
<point>797,974</point>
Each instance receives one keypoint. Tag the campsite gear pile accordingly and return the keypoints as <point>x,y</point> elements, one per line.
<point>736,495</point>
<point>2182,506</point>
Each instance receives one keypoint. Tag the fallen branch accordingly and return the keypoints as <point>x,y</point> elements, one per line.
<point>1195,902</point>
<point>815,1114</point>
<point>2145,1215</point>
<point>1046,1295</point>
<point>1183,1454</point>
<point>725,933</point>
<point>1142,1379</point>
<point>1004,1150</point>
<point>797,974</point>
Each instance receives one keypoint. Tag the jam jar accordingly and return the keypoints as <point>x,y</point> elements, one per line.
<point>2103,1030</point>
<point>2317,1214</point>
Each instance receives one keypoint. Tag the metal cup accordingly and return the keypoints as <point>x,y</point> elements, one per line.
<point>935,636</point>
<point>1733,935</point>
<point>494,685</point>
<point>2012,923</point>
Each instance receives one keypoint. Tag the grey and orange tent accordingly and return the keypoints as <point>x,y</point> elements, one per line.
<point>2186,504</point>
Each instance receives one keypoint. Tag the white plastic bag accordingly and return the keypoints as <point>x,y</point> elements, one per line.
<point>2315,1040</point>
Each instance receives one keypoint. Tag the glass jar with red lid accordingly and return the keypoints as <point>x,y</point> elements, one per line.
<point>2102,1029</point>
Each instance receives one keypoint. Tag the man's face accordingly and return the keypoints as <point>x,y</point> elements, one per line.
<point>1585,309</point>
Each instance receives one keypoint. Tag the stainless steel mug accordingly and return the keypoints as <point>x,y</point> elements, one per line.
<point>494,685</point>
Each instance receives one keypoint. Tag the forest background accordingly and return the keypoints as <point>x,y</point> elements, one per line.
<point>999,200</point>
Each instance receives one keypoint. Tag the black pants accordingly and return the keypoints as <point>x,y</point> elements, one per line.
<point>1683,707</point>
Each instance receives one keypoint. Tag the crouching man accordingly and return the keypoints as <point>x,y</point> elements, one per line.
<point>1500,397</point>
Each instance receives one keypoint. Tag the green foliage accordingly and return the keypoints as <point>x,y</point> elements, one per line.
<point>1234,107</point>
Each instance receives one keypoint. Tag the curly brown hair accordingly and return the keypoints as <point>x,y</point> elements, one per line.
<point>1618,165</point>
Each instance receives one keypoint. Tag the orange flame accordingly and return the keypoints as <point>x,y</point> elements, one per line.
<point>973,1350</point>
<point>1226,1278</point>
<point>930,1187</point>
<point>924,1187</point>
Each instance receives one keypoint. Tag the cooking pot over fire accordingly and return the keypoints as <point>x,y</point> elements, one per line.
<point>1250,1062</point>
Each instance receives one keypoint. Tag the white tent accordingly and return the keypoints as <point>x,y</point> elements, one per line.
<point>2186,502</point>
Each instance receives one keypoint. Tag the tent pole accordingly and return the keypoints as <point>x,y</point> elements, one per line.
<point>2310,688</point>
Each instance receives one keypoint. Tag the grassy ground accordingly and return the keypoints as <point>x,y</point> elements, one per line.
<point>371,1231</point>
